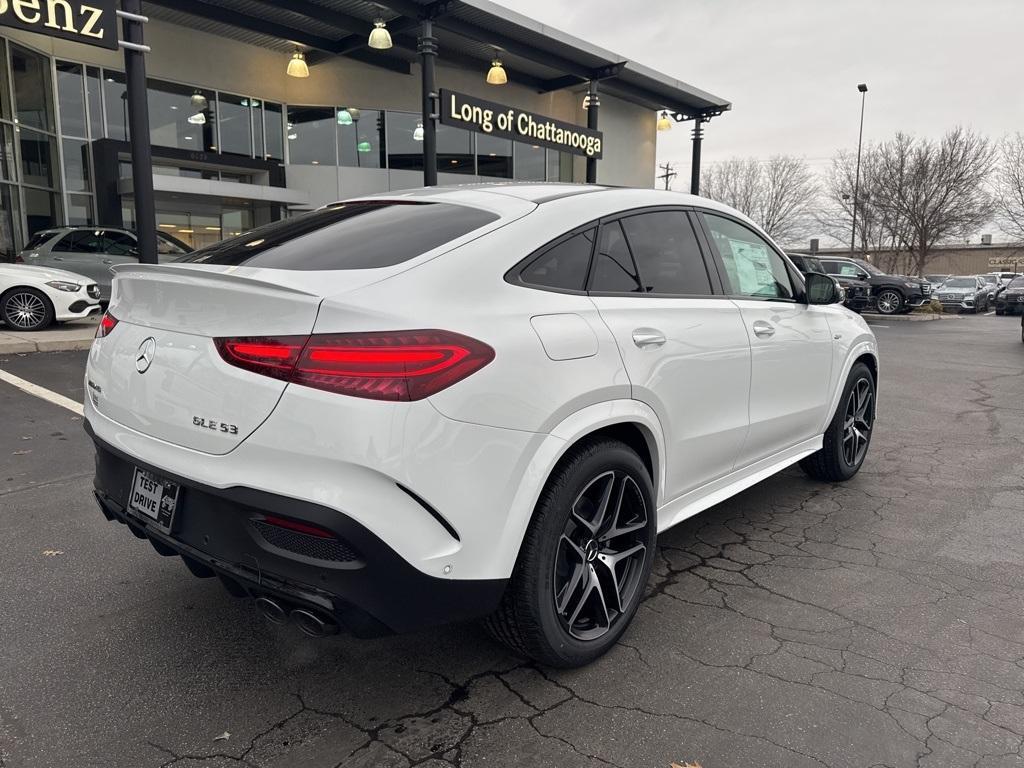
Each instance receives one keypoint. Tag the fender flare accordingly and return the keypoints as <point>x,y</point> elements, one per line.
<point>554,446</point>
<point>864,346</point>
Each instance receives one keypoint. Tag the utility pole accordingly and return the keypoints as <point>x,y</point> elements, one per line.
<point>668,175</point>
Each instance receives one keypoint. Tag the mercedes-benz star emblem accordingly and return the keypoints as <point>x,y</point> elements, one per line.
<point>144,357</point>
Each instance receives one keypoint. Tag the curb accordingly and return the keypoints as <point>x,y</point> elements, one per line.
<point>20,347</point>
<point>874,317</point>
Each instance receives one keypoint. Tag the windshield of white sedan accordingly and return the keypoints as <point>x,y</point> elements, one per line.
<point>360,235</point>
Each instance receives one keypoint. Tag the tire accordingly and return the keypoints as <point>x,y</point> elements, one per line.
<point>889,301</point>
<point>843,451</point>
<point>551,610</point>
<point>999,312</point>
<point>26,309</point>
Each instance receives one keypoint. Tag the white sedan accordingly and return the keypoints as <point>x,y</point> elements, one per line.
<point>31,298</point>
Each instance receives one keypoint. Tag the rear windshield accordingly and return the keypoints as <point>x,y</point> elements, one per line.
<point>39,238</point>
<point>361,235</point>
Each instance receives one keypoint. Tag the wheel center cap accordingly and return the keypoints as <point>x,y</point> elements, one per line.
<point>590,550</point>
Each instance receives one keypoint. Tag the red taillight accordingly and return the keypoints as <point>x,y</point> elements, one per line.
<point>400,365</point>
<point>295,525</point>
<point>107,323</point>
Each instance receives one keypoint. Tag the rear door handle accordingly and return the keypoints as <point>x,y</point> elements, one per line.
<point>648,337</point>
<point>763,330</point>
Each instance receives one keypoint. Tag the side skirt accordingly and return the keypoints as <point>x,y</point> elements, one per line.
<point>689,504</point>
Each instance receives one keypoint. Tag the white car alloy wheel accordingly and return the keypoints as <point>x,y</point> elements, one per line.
<point>484,406</point>
<point>26,309</point>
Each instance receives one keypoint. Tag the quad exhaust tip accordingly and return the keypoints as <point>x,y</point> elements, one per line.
<point>307,621</point>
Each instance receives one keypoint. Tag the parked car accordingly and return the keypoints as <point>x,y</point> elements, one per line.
<point>892,294</point>
<point>487,403</point>
<point>936,280</point>
<point>1010,300</point>
<point>856,292</point>
<point>994,283</point>
<point>964,293</point>
<point>32,298</point>
<point>92,251</point>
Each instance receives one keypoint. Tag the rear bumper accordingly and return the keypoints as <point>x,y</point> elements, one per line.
<point>366,586</point>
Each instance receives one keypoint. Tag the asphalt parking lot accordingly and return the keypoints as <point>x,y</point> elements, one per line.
<point>876,623</point>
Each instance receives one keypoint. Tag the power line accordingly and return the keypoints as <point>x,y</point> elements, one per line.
<point>668,175</point>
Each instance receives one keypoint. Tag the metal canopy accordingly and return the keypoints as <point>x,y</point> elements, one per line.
<point>468,32</point>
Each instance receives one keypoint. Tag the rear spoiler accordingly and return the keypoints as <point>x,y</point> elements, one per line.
<point>233,275</point>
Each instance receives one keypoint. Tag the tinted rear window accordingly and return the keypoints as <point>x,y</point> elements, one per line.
<point>360,235</point>
<point>38,239</point>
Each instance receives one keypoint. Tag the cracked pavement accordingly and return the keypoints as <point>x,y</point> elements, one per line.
<point>874,623</point>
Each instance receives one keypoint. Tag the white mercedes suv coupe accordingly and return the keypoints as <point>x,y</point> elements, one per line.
<point>459,403</point>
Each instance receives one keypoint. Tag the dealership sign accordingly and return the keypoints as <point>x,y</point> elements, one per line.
<point>473,114</point>
<point>93,22</point>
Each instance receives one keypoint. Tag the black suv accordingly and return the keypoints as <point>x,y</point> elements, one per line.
<point>1010,300</point>
<point>857,291</point>
<point>893,294</point>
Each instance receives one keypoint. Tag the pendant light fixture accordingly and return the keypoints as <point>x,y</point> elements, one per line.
<point>297,66</point>
<point>380,38</point>
<point>198,101</point>
<point>417,135</point>
<point>344,117</point>
<point>364,146</point>
<point>664,124</point>
<point>197,119</point>
<point>496,75</point>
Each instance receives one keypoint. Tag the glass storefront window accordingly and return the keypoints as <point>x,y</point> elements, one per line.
<point>529,162</point>
<point>404,152</point>
<point>10,222</point>
<point>8,165</point>
<point>454,150</point>
<point>235,124</point>
<point>5,87</point>
<point>493,156</point>
<point>92,92</point>
<point>41,209</point>
<point>33,91</point>
<point>559,166</point>
<point>273,136</point>
<point>115,96</point>
<point>76,165</point>
<point>360,137</point>
<point>181,116</point>
<point>80,210</point>
<point>311,136</point>
<point>38,158</point>
<point>71,99</point>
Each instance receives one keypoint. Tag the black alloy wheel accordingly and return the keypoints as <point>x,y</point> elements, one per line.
<point>585,558</point>
<point>600,555</point>
<point>858,421</point>
<point>848,436</point>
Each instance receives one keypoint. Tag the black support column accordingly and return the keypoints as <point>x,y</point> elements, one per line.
<point>593,104</point>
<point>138,128</point>
<point>698,137</point>
<point>428,54</point>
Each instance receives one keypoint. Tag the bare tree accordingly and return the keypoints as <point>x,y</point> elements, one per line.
<point>1010,185</point>
<point>779,194</point>
<point>934,190</point>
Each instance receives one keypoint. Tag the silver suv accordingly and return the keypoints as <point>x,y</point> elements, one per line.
<point>92,251</point>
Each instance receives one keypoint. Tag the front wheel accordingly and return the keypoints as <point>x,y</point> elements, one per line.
<point>890,301</point>
<point>26,309</point>
<point>848,435</point>
<point>584,561</point>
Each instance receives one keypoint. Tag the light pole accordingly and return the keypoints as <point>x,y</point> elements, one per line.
<point>863,88</point>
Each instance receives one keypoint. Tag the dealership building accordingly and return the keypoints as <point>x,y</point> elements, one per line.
<point>259,109</point>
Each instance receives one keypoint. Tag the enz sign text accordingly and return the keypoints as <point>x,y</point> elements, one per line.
<point>473,114</point>
<point>92,22</point>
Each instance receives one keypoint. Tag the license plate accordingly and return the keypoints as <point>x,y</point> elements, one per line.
<point>154,497</point>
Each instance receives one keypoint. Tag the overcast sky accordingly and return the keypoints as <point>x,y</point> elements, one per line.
<point>791,67</point>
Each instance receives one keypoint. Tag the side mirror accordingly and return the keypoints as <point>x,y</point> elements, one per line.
<point>821,289</point>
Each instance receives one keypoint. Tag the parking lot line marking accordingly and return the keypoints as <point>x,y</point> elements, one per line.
<point>989,314</point>
<point>41,392</point>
